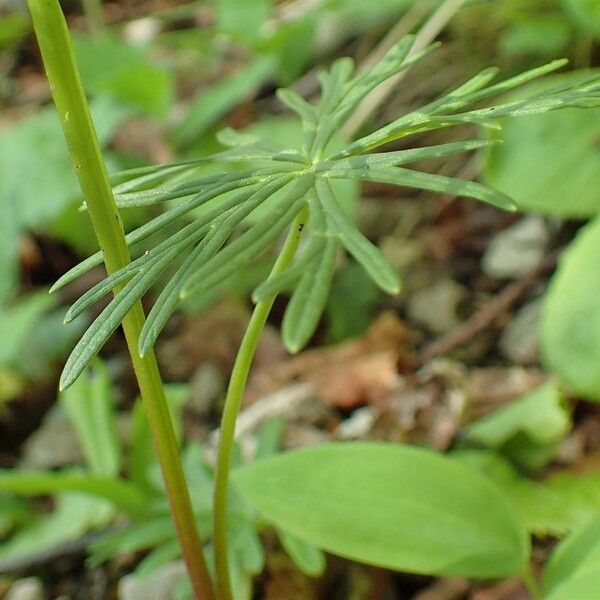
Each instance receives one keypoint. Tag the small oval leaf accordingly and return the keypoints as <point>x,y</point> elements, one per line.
<point>393,506</point>
<point>570,326</point>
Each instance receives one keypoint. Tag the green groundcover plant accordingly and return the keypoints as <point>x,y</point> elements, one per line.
<point>393,506</point>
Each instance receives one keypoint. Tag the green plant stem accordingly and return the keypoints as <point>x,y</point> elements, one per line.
<point>531,584</point>
<point>233,401</point>
<point>65,83</point>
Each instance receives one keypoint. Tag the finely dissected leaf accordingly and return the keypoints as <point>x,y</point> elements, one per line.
<point>110,318</point>
<point>436,183</point>
<point>309,298</point>
<point>283,281</point>
<point>578,553</point>
<point>297,103</point>
<point>439,113</point>
<point>346,166</point>
<point>564,182</point>
<point>208,263</point>
<point>363,251</point>
<point>570,325</point>
<point>219,231</point>
<point>389,505</point>
<point>254,241</point>
<point>100,290</point>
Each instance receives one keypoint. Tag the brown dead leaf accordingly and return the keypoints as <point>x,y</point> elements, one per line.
<point>360,371</point>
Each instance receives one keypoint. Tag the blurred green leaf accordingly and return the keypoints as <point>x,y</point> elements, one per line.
<point>74,515</point>
<point>570,323</point>
<point>17,323</point>
<point>555,506</point>
<point>549,163</point>
<point>586,14</point>
<point>243,19</point>
<point>584,585</point>
<point>142,456</point>
<point>351,303</point>
<point>576,554</point>
<point>221,97</point>
<point>528,430</point>
<point>14,27</point>
<point>89,403</point>
<point>389,505</point>
<point>13,512</point>
<point>310,560</point>
<point>35,169</point>
<point>268,438</point>
<point>544,35</point>
<point>127,73</point>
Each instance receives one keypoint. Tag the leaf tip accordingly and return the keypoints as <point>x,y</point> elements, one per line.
<point>292,346</point>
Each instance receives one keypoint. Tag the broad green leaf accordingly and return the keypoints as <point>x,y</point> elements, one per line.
<point>560,180</point>
<point>393,506</point>
<point>581,586</point>
<point>527,430</point>
<point>555,506</point>
<point>90,407</point>
<point>577,553</point>
<point>570,323</point>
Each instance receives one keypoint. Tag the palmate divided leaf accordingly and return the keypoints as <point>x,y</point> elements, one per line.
<point>299,180</point>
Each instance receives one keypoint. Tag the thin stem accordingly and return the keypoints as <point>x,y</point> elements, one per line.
<point>531,584</point>
<point>233,401</point>
<point>65,83</point>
